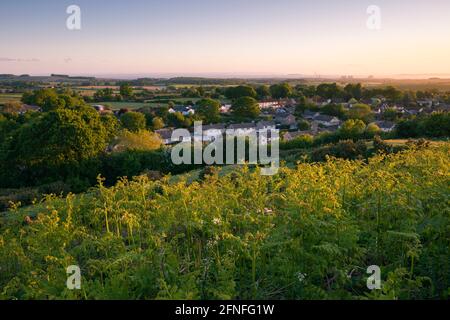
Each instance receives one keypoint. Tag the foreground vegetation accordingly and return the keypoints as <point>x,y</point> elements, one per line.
<point>305,233</point>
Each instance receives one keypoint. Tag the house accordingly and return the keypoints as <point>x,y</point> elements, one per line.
<point>327,121</point>
<point>288,136</point>
<point>212,132</point>
<point>265,125</point>
<point>99,107</point>
<point>328,129</point>
<point>225,108</point>
<point>286,120</point>
<point>266,104</point>
<point>242,129</point>
<point>425,103</point>
<point>310,115</point>
<point>26,107</point>
<point>385,126</point>
<point>185,110</point>
<point>102,109</point>
<point>165,134</point>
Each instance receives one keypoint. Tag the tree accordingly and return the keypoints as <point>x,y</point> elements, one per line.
<point>360,111</point>
<point>246,107</point>
<point>47,99</point>
<point>177,120</point>
<point>239,92</point>
<point>280,91</point>
<point>142,140</point>
<point>106,94</point>
<point>263,92</point>
<point>352,129</point>
<point>329,91</point>
<point>126,90</point>
<point>372,130</point>
<point>333,109</point>
<point>303,125</point>
<point>208,110</point>
<point>391,114</point>
<point>353,91</point>
<point>157,123</point>
<point>59,137</point>
<point>133,121</point>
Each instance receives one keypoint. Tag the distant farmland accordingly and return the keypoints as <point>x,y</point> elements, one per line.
<point>9,97</point>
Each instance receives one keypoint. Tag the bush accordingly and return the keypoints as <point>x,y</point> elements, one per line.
<point>301,142</point>
<point>305,233</point>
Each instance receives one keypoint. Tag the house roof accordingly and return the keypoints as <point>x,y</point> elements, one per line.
<point>324,117</point>
<point>249,125</point>
<point>181,108</point>
<point>165,133</point>
<point>265,124</point>
<point>308,113</point>
<point>218,126</point>
<point>385,124</point>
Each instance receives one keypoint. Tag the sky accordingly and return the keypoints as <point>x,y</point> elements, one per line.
<point>226,37</point>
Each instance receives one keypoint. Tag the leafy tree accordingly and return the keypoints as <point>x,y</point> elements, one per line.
<point>407,128</point>
<point>352,129</point>
<point>303,125</point>
<point>106,94</point>
<point>263,92</point>
<point>133,121</point>
<point>329,91</point>
<point>360,111</point>
<point>157,123</point>
<point>333,109</point>
<point>47,99</point>
<point>178,120</point>
<point>390,114</point>
<point>353,91</point>
<point>246,107</point>
<point>142,140</point>
<point>126,90</point>
<point>239,92</point>
<point>280,91</point>
<point>58,137</point>
<point>372,130</point>
<point>208,110</point>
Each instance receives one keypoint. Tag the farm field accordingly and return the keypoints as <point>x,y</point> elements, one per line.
<point>9,97</point>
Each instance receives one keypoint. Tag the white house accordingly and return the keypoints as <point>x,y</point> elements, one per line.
<point>212,132</point>
<point>327,121</point>
<point>185,110</point>
<point>225,108</point>
<point>385,126</point>
<point>266,104</point>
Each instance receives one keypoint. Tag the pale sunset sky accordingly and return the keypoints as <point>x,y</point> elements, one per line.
<point>232,37</point>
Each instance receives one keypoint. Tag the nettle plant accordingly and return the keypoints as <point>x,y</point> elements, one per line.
<point>308,232</point>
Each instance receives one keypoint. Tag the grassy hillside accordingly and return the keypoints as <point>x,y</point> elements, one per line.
<point>309,232</point>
